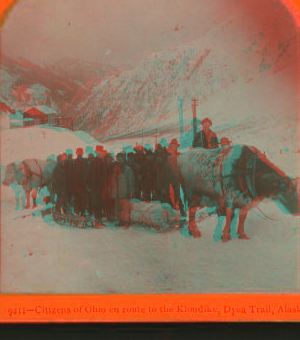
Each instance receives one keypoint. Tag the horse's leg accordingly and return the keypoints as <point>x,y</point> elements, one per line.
<point>34,195</point>
<point>226,232</point>
<point>17,192</point>
<point>23,197</point>
<point>217,236</point>
<point>193,229</point>
<point>242,217</point>
<point>234,217</point>
<point>27,198</point>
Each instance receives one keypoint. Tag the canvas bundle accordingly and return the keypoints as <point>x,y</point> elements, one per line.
<point>152,214</point>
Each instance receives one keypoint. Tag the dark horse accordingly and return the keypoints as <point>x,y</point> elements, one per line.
<point>31,174</point>
<point>233,177</point>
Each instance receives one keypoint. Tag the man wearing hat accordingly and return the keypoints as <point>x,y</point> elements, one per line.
<point>125,185</point>
<point>110,186</point>
<point>70,190</point>
<point>148,174</point>
<point>79,183</point>
<point>210,135</point>
<point>94,184</point>
<point>59,181</point>
<point>172,159</point>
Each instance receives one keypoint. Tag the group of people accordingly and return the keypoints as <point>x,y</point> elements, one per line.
<point>97,184</point>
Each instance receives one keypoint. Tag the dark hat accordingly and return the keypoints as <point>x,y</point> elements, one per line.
<point>158,147</point>
<point>130,155</point>
<point>225,141</point>
<point>99,148</point>
<point>121,155</point>
<point>108,156</point>
<point>79,151</point>
<point>174,143</point>
<point>128,149</point>
<point>148,147</point>
<point>69,152</point>
<point>89,149</point>
<point>206,121</point>
<point>138,148</point>
<point>163,143</point>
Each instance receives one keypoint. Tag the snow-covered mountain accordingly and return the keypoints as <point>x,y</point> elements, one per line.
<point>243,72</point>
<point>79,71</point>
<point>24,84</point>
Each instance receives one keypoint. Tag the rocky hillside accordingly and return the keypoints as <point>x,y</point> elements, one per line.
<point>79,71</point>
<point>243,72</point>
<point>24,84</point>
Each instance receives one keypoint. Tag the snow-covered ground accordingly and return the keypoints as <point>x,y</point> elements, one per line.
<point>38,256</point>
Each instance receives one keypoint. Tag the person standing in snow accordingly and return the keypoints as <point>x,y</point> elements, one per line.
<point>59,180</point>
<point>175,178</point>
<point>70,190</point>
<point>110,186</point>
<point>211,136</point>
<point>79,183</point>
<point>94,185</point>
<point>163,176</point>
<point>125,185</point>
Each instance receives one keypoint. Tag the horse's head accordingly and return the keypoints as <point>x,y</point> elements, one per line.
<point>10,174</point>
<point>287,196</point>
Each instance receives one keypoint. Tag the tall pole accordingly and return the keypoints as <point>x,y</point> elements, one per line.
<point>194,116</point>
<point>142,140</point>
<point>180,103</point>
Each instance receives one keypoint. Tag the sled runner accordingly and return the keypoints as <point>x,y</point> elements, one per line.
<point>76,221</point>
<point>34,211</point>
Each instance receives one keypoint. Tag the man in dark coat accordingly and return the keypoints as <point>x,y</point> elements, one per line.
<point>59,180</point>
<point>135,163</point>
<point>110,186</point>
<point>125,185</point>
<point>94,184</point>
<point>148,174</point>
<point>79,182</point>
<point>163,177</point>
<point>70,189</point>
<point>211,136</point>
<point>175,178</point>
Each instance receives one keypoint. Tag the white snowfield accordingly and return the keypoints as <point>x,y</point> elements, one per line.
<point>38,256</point>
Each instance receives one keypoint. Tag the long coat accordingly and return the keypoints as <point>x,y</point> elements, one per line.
<point>79,174</point>
<point>110,188</point>
<point>125,182</point>
<point>59,179</point>
<point>94,175</point>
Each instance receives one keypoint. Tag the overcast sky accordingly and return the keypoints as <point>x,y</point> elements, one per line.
<point>107,31</point>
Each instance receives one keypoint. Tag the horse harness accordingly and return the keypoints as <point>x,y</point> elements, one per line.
<point>28,171</point>
<point>246,175</point>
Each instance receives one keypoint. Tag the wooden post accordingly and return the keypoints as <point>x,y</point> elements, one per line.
<point>194,116</point>
<point>180,103</point>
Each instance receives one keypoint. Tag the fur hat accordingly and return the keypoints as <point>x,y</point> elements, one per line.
<point>225,141</point>
<point>174,143</point>
<point>79,151</point>
<point>206,121</point>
